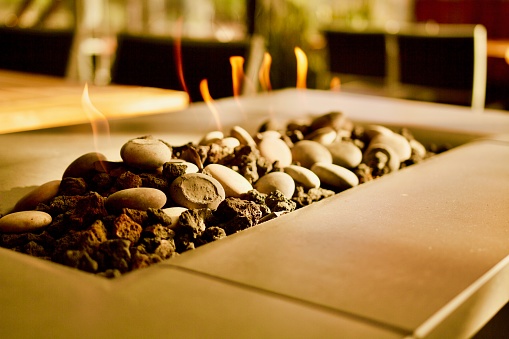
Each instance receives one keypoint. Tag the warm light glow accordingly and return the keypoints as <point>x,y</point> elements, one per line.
<point>302,67</point>
<point>237,63</point>
<point>99,123</point>
<point>178,56</point>
<point>264,73</point>
<point>507,55</point>
<point>204,90</point>
<point>335,84</point>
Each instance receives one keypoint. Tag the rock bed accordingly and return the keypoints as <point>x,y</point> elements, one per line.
<point>109,218</point>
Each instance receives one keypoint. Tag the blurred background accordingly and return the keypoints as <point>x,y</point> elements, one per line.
<point>98,28</point>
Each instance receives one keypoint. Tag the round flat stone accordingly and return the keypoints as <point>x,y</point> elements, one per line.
<point>234,183</point>
<point>308,152</point>
<point>24,221</point>
<point>303,176</point>
<point>345,153</point>
<point>197,190</point>
<point>139,198</point>
<point>335,176</point>
<point>273,181</point>
<point>146,153</point>
<point>41,194</point>
<point>275,150</point>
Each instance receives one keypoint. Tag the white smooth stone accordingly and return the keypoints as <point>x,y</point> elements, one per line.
<point>41,194</point>
<point>275,150</point>
<point>276,181</point>
<point>211,137</point>
<point>24,221</point>
<point>174,214</point>
<point>418,148</point>
<point>397,142</point>
<point>145,153</point>
<point>373,130</point>
<point>324,135</point>
<point>139,198</point>
<point>234,183</point>
<point>393,162</point>
<point>345,153</point>
<point>304,176</point>
<point>335,175</point>
<point>308,152</point>
<point>242,135</point>
<point>230,142</point>
<point>270,134</point>
<point>191,168</point>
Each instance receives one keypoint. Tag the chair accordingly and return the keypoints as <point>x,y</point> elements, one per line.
<point>35,50</point>
<point>151,61</point>
<point>444,63</point>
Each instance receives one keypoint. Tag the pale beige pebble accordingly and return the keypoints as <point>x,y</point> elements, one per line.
<point>273,181</point>
<point>336,176</point>
<point>230,142</point>
<point>211,137</point>
<point>242,135</point>
<point>83,165</point>
<point>197,190</point>
<point>303,176</point>
<point>234,183</point>
<point>418,148</point>
<point>174,214</point>
<point>41,194</point>
<point>373,130</point>
<point>308,152</point>
<point>275,150</point>
<point>395,141</point>
<point>139,198</point>
<point>324,135</point>
<point>24,221</point>
<point>345,153</point>
<point>146,153</point>
<point>190,167</point>
<point>383,155</point>
<point>270,134</point>
<point>336,120</point>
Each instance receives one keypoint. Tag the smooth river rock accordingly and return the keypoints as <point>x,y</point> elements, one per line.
<point>234,183</point>
<point>276,181</point>
<point>139,198</point>
<point>335,176</point>
<point>345,153</point>
<point>41,194</point>
<point>303,176</point>
<point>24,221</point>
<point>275,150</point>
<point>308,152</point>
<point>197,190</point>
<point>147,153</point>
<point>83,166</point>
<point>395,141</point>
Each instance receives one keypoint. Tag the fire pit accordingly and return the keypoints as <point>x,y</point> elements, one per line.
<point>410,254</point>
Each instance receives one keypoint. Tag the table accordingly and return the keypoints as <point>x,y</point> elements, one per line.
<point>29,101</point>
<point>422,253</point>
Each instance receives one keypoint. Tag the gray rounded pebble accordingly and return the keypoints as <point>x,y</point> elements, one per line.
<point>308,152</point>
<point>197,190</point>
<point>275,150</point>
<point>139,198</point>
<point>146,153</point>
<point>303,176</point>
<point>41,194</point>
<point>83,165</point>
<point>335,176</point>
<point>234,183</point>
<point>24,221</point>
<point>273,181</point>
<point>345,153</point>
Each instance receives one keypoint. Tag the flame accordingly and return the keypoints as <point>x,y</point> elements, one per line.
<point>264,73</point>
<point>302,67</point>
<point>178,56</point>
<point>335,84</point>
<point>237,63</point>
<point>98,121</point>
<point>204,90</point>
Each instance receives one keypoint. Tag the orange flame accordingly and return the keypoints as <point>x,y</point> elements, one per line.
<point>264,73</point>
<point>98,121</point>
<point>237,63</point>
<point>335,84</point>
<point>302,67</point>
<point>204,90</point>
<point>178,56</point>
